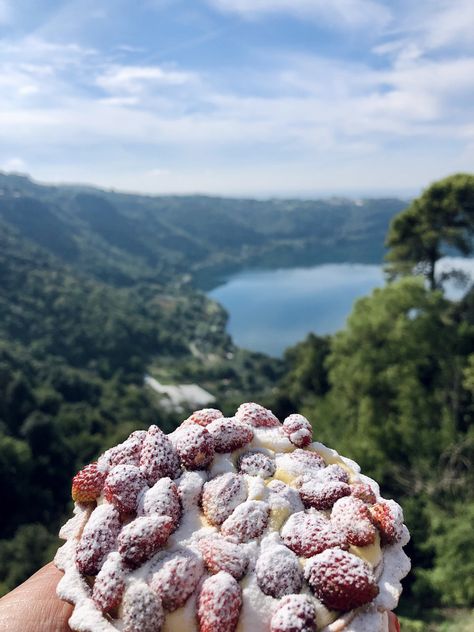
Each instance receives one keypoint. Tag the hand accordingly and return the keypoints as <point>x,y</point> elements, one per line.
<point>35,607</point>
<point>393,624</point>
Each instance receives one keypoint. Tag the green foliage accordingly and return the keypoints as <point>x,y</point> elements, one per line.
<point>453,570</point>
<point>32,547</point>
<point>441,218</point>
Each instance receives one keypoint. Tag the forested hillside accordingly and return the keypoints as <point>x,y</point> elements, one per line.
<point>122,239</point>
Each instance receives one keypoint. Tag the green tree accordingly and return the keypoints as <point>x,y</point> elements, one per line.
<point>441,218</point>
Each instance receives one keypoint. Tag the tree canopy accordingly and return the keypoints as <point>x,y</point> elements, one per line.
<point>437,222</point>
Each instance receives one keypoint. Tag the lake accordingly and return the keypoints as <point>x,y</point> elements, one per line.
<point>273,309</point>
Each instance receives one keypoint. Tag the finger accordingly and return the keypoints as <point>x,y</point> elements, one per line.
<point>34,606</point>
<point>393,623</point>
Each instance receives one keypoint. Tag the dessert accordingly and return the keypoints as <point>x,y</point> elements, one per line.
<point>240,524</point>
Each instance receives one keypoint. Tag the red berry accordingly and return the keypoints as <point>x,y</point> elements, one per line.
<point>87,484</point>
<point>175,577</point>
<point>294,613</point>
<point>351,515</point>
<point>229,434</point>
<point>142,609</point>
<point>126,453</point>
<point>161,500</point>
<point>340,580</point>
<point>309,534</point>
<point>158,457</point>
<point>204,416</point>
<point>220,554</point>
<point>221,495</point>
<point>256,464</point>
<point>301,462</point>
<point>299,430</point>
<point>143,537</point>
<point>248,521</point>
<point>364,492</point>
<point>332,472</point>
<point>219,604</point>
<point>123,486</point>
<point>109,583</point>
<point>278,571</point>
<point>256,415</point>
<point>98,539</point>
<point>321,495</point>
<point>194,446</point>
<point>387,516</point>
<point>282,495</point>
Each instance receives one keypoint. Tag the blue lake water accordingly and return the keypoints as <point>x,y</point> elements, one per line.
<point>272,310</point>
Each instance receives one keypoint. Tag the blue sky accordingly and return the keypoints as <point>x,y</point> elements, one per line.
<point>238,97</point>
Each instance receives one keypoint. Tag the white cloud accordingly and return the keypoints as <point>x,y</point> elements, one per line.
<point>338,13</point>
<point>16,165</point>
<point>134,79</point>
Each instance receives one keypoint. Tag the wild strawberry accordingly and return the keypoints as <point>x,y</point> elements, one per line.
<point>175,577</point>
<point>98,539</point>
<point>123,486</point>
<point>126,453</point>
<point>321,495</point>
<point>158,457</point>
<point>248,521</point>
<point>204,416</point>
<point>87,484</point>
<point>161,500</point>
<point>351,515</point>
<point>190,489</point>
<point>387,516</point>
<point>340,580</point>
<point>300,462</point>
<point>299,430</point>
<point>281,494</point>
<point>256,415</point>
<point>220,554</point>
<point>256,464</point>
<point>364,492</point>
<point>142,609</point>
<point>142,538</point>
<point>194,446</point>
<point>109,583</point>
<point>332,472</point>
<point>221,495</point>
<point>309,534</point>
<point>219,603</point>
<point>278,571</point>
<point>229,434</point>
<point>294,613</point>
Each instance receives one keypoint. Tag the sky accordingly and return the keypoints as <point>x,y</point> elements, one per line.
<point>238,97</point>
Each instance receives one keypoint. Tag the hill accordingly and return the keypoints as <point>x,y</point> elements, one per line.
<point>122,238</point>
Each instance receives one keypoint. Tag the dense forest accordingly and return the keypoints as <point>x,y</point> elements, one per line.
<point>97,288</point>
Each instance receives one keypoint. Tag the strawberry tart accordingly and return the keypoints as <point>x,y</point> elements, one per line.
<point>230,524</point>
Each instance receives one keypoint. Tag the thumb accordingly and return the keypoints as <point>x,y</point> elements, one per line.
<point>34,606</point>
